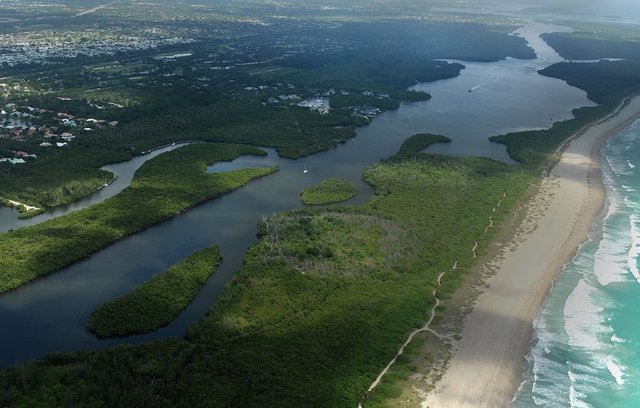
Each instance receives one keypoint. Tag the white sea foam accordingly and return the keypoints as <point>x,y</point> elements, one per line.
<point>614,199</point>
<point>557,381</point>
<point>518,391</point>
<point>549,385</point>
<point>630,204</point>
<point>570,366</point>
<point>615,370</point>
<point>607,263</point>
<point>582,318</point>
<point>548,380</point>
<point>587,379</point>
<point>575,400</point>
<point>616,339</point>
<point>634,251</point>
<point>617,158</point>
<point>627,188</point>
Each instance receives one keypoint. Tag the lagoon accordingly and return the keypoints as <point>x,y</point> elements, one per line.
<point>50,314</point>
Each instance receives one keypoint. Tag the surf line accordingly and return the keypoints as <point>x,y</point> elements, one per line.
<point>432,314</point>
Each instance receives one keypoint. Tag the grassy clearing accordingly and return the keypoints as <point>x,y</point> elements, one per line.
<point>333,243</point>
<point>162,188</point>
<point>331,190</point>
<point>157,301</point>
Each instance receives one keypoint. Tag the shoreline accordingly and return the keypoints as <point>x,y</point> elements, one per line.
<point>487,364</point>
<point>27,207</point>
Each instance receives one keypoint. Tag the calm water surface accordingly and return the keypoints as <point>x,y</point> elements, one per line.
<point>50,314</point>
<point>124,173</point>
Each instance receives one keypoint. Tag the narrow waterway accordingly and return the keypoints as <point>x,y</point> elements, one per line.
<point>50,314</point>
<point>122,171</point>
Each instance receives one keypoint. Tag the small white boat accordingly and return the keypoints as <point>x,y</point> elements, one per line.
<point>305,171</point>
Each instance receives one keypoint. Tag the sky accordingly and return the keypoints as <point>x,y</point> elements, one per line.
<point>602,8</point>
<point>627,11</point>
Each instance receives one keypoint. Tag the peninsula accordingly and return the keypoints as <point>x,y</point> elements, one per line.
<point>488,361</point>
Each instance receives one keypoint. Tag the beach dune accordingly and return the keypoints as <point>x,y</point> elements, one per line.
<point>488,362</point>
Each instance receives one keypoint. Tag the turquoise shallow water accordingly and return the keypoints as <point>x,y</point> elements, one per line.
<point>586,350</point>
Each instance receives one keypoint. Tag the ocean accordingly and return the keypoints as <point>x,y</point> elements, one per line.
<point>586,347</point>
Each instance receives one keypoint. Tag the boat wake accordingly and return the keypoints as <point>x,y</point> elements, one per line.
<point>482,84</point>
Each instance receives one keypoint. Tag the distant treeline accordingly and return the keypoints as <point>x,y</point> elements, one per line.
<point>588,46</point>
<point>384,58</point>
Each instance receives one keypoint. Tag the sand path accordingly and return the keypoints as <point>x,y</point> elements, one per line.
<point>432,314</point>
<point>487,365</point>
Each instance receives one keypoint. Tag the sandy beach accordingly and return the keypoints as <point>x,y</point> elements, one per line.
<point>488,361</point>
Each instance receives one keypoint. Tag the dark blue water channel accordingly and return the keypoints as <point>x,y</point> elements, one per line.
<point>50,314</point>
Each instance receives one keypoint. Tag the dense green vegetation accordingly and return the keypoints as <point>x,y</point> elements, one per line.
<point>64,175</point>
<point>157,301</point>
<point>331,190</point>
<point>357,99</point>
<point>318,308</point>
<point>39,184</point>
<point>229,89</point>
<point>24,211</point>
<point>464,42</point>
<point>325,296</point>
<point>592,46</point>
<point>536,147</point>
<point>606,83</point>
<point>163,187</point>
<point>419,142</point>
